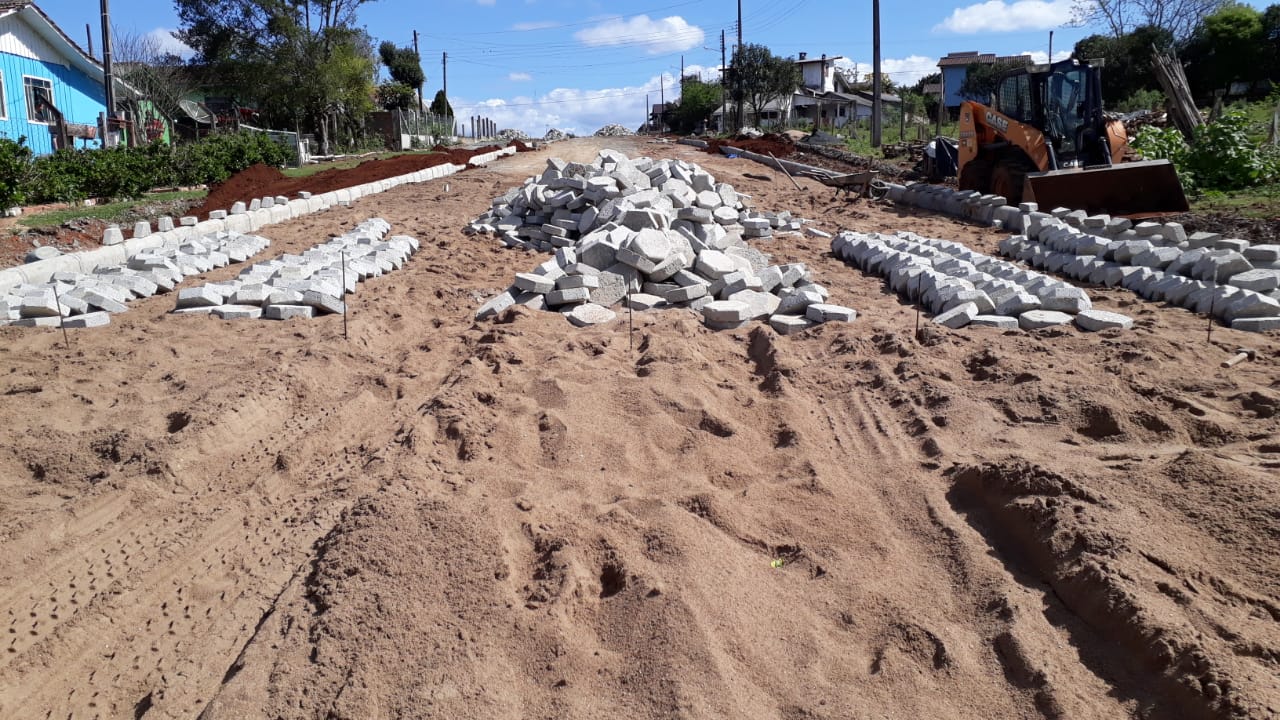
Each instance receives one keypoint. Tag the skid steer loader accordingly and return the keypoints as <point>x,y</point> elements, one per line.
<point>1044,139</point>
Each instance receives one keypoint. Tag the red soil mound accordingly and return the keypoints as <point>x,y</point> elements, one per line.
<point>263,181</point>
<point>779,145</point>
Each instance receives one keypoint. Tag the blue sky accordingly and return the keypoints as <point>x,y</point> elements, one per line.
<point>579,64</point>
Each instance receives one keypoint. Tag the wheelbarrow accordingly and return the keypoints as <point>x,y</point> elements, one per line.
<point>863,184</point>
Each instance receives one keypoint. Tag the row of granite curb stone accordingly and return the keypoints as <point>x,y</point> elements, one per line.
<point>962,287</point>
<point>1237,281</point>
<point>242,217</point>
<point>653,234</point>
<point>311,283</point>
<point>82,300</point>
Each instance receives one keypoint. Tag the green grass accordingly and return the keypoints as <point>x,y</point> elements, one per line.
<point>309,170</point>
<point>111,212</point>
<point>1261,202</point>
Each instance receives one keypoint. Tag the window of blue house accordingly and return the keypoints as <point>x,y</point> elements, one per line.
<point>39,99</point>
<point>4,105</point>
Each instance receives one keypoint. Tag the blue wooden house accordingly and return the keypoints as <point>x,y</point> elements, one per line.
<point>44,74</point>
<point>955,67</point>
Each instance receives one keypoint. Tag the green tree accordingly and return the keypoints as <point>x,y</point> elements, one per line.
<point>392,95</point>
<point>760,77</point>
<point>930,99</point>
<point>1127,59</point>
<point>980,79</point>
<point>1271,39</point>
<point>403,64</point>
<point>299,63</point>
<point>1228,46</point>
<point>697,101</point>
<point>440,105</point>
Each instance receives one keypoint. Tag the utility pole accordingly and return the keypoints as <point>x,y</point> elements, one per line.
<point>737,58</point>
<point>662,98</point>
<point>1051,47</point>
<point>89,36</point>
<point>724,109</point>
<point>647,114</point>
<point>876,82</point>
<point>108,82</point>
<point>444,78</point>
<point>415,52</point>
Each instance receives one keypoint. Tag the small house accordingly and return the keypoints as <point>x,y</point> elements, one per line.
<point>955,68</point>
<point>51,91</point>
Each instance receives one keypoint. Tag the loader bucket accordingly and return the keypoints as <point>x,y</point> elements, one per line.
<point>1146,188</point>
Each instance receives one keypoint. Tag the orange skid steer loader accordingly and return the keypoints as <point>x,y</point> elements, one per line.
<point>1045,140</point>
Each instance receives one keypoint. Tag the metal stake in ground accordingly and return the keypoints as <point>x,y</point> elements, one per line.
<point>1209,335</point>
<point>917,322</point>
<point>62,320</point>
<point>778,162</point>
<point>631,329</point>
<point>343,253</point>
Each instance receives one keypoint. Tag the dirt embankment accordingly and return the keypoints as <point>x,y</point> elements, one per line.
<point>522,519</point>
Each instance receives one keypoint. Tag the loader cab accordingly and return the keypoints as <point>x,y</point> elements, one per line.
<point>1063,101</point>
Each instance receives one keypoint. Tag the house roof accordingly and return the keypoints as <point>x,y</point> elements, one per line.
<point>48,30</point>
<point>829,58</point>
<point>968,58</point>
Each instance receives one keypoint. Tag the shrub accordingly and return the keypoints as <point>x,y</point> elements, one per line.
<point>1223,157</point>
<point>1142,100</point>
<point>15,166</point>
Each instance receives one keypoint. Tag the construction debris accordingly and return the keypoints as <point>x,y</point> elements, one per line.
<point>613,131</point>
<point>556,134</point>
<point>510,134</point>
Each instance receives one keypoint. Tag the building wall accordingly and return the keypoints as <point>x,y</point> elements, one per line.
<point>23,53</point>
<point>952,79</point>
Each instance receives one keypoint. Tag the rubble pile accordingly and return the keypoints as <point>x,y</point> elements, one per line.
<point>79,300</point>
<point>963,287</point>
<point>556,134</point>
<point>653,234</point>
<point>613,131</point>
<point>509,134</point>
<point>301,286</point>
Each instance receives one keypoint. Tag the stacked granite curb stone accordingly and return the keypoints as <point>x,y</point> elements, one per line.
<point>243,217</point>
<point>1204,272</point>
<point>88,298</point>
<point>962,287</point>
<point>655,235</point>
<point>1238,283</point>
<point>305,285</point>
<point>570,201</point>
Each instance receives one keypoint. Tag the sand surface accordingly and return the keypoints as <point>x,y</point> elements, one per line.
<point>448,519</point>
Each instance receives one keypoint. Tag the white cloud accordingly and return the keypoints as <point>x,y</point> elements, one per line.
<point>1002,16</point>
<point>671,34</point>
<point>902,71</point>
<point>581,111</point>
<point>519,77</point>
<point>1041,57</point>
<point>166,43</point>
<point>535,25</point>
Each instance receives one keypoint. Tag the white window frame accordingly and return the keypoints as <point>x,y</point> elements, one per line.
<point>4,103</point>
<point>27,98</point>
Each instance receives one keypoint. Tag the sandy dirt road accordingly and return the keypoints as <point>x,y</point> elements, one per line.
<point>520,519</point>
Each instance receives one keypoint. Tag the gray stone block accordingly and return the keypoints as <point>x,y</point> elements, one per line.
<point>88,320</point>
<point>529,282</point>
<point>569,282</point>
<point>1036,319</point>
<point>589,313</point>
<point>568,297</point>
<point>288,312</point>
<point>644,301</point>
<point>1095,320</point>
<point>203,296</point>
<point>824,312</point>
<point>790,324</point>
<point>1256,324</point>
<point>238,312</point>
<point>957,317</point>
<point>685,293</point>
<point>1002,322</point>
<point>726,311</point>
<point>1262,281</point>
